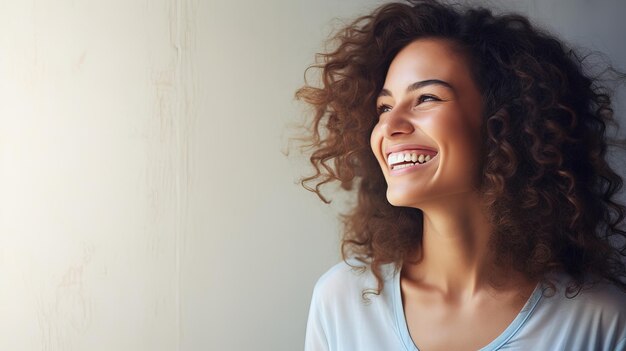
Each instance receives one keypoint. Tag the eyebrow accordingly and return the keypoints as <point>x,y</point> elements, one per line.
<point>418,85</point>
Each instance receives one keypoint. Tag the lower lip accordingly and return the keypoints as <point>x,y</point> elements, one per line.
<point>416,167</point>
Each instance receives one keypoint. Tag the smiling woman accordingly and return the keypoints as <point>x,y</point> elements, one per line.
<point>486,215</point>
<point>429,102</point>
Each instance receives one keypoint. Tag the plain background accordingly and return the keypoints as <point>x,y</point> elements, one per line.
<point>146,202</point>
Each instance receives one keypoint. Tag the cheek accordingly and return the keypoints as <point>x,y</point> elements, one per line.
<point>463,145</point>
<point>461,141</point>
<point>457,128</point>
<point>375,140</point>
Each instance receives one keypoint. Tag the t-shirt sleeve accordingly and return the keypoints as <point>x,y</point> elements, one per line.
<point>316,338</point>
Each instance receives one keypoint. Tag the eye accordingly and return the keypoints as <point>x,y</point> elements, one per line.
<point>427,98</point>
<point>383,108</point>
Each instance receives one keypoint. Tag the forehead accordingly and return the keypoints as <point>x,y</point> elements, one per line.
<point>425,59</point>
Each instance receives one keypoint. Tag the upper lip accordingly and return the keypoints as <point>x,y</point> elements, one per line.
<point>402,147</point>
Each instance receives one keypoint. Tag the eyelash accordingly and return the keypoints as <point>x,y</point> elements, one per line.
<point>427,96</point>
<point>421,99</point>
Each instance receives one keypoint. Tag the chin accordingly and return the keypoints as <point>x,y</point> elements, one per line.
<point>400,200</point>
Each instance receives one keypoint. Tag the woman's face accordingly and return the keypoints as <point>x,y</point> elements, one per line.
<point>427,139</point>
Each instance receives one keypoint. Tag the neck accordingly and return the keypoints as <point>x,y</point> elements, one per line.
<point>455,258</point>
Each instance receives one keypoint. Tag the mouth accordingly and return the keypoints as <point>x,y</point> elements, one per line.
<point>408,158</point>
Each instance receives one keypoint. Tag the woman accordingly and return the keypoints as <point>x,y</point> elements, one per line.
<point>485,214</point>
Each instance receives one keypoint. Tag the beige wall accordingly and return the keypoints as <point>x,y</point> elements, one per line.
<point>145,203</point>
<point>255,241</point>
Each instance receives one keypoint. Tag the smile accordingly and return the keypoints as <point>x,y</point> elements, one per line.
<point>409,158</point>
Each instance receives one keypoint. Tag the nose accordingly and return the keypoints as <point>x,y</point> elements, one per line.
<point>396,123</point>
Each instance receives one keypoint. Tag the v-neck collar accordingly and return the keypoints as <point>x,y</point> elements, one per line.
<point>512,329</point>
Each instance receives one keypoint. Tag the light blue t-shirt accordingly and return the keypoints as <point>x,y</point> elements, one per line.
<point>340,320</point>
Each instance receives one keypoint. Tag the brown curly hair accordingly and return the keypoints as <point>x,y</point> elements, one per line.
<point>550,191</point>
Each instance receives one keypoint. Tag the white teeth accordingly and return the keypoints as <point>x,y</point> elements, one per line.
<point>404,166</point>
<point>411,157</point>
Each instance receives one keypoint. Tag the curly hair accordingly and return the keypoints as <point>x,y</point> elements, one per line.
<point>550,191</point>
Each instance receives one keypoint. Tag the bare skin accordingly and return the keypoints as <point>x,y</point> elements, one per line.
<point>448,299</point>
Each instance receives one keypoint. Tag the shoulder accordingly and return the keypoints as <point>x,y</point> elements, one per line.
<point>348,282</point>
<point>600,295</point>
<point>346,314</point>
<point>594,316</point>
<point>344,278</point>
<point>557,319</point>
